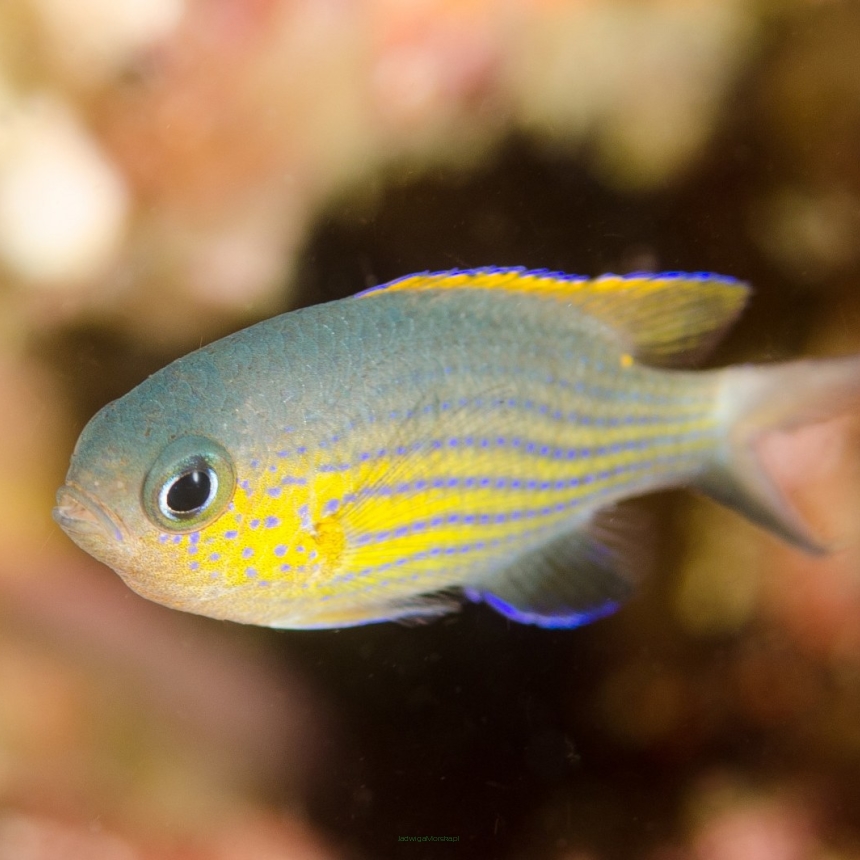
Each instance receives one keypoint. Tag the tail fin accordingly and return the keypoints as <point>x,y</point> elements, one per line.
<point>756,400</point>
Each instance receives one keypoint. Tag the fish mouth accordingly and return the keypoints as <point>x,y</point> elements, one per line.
<point>77,513</point>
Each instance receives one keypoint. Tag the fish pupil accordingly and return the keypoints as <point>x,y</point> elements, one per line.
<point>189,492</point>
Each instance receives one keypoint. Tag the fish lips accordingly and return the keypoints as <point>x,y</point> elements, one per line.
<point>82,517</point>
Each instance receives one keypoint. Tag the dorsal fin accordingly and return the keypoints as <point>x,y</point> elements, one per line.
<point>666,318</point>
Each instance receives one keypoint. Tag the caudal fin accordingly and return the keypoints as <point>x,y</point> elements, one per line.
<point>756,400</point>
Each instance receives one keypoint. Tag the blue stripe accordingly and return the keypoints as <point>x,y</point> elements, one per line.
<point>580,416</point>
<point>516,443</point>
<point>478,519</point>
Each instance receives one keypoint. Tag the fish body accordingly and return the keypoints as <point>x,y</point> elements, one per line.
<point>357,461</point>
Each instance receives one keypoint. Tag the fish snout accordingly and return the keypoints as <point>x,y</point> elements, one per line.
<point>79,515</point>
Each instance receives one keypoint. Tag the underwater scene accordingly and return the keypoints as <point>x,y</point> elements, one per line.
<point>433,430</point>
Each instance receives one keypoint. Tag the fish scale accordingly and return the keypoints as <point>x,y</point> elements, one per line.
<point>470,430</point>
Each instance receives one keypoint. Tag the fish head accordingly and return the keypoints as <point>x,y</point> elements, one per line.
<point>180,501</point>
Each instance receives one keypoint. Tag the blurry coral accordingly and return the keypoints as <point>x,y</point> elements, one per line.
<point>167,157</point>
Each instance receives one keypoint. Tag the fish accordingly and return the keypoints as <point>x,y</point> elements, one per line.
<point>465,435</point>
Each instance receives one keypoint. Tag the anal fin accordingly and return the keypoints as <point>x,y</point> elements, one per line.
<point>576,578</point>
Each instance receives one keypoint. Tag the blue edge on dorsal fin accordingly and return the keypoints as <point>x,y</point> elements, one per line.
<point>547,273</point>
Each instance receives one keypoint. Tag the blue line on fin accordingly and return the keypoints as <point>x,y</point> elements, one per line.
<point>549,622</point>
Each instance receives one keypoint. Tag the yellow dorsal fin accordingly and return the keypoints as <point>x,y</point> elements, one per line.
<point>666,318</point>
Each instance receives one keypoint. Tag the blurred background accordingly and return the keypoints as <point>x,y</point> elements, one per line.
<point>172,170</point>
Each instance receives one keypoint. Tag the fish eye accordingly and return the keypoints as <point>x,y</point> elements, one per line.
<point>189,485</point>
<point>188,493</point>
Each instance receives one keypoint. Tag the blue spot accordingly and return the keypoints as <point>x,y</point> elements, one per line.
<point>271,522</point>
<point>286,567</point>
<point>215,556</point>
<point>300,548</point>
<point>230,534</point>
<point>194,565</point>
<point>274,492</point>
<point>194,537</point>
<point>250,571</point>
<point>177,539</point>
<point>163,538</point>
<point>254,523</point>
